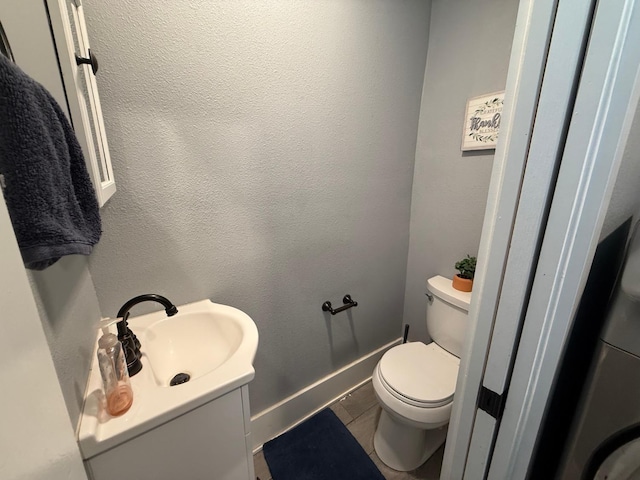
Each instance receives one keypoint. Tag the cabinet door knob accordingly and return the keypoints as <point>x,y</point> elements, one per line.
<point>92,60</point>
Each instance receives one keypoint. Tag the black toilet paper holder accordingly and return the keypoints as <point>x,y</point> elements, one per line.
<point>348,303</point>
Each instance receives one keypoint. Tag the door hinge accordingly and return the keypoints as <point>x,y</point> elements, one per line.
<point>491,402</point>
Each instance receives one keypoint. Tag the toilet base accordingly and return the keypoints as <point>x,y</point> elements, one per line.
<point>404,447</point>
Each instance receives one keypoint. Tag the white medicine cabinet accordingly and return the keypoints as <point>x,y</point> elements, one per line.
<point>48,40</point>
<point>79,66</point>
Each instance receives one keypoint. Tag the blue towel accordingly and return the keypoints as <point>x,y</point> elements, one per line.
<point>44,178</point>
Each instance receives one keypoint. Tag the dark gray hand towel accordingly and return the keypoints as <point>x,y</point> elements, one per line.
<point>45,182</point>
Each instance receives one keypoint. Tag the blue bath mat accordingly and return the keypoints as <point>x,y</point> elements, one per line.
<point>320,448</point>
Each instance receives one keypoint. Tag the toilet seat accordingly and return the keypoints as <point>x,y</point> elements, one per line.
<point>418,417</point>
<point>419,375</point>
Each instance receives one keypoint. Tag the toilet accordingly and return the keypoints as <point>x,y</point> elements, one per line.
<point>415,382</point>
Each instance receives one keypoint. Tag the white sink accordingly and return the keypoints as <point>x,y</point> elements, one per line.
<point>194,342</point>
<point>214,344</point>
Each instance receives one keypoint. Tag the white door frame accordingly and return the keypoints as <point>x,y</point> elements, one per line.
<point>571,27</point>
<point>528,56</point>
<point>604,110</point>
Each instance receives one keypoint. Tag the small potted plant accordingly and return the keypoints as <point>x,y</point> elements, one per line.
<point>463,281</point>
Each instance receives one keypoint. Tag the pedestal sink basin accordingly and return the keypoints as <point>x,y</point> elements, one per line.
<point>213,344</point>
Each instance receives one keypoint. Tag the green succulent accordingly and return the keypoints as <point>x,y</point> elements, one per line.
<point>466,267</point>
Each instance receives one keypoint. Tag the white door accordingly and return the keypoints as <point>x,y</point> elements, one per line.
<point>537,264</point>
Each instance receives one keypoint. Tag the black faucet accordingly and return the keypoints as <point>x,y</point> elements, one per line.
<point>130,343</point>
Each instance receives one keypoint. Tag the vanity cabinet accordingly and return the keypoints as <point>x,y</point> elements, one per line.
<point>212,441</point>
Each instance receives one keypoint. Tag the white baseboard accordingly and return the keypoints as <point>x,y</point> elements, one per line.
<point>293,410</point>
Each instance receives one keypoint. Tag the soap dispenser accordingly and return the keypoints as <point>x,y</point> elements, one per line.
<point>113,368</point>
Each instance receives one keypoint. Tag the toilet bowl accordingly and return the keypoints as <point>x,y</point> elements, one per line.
<point>415,383</point>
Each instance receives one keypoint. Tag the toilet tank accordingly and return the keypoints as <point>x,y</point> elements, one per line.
<point>447,310</point>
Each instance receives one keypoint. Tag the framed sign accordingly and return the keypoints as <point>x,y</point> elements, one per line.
<point>482,122</point>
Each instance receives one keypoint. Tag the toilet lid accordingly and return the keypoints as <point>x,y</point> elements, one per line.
<point>424,375</point>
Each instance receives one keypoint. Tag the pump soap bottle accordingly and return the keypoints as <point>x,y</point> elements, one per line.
<point>113,368</point>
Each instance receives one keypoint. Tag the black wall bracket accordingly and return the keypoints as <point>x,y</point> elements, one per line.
<point>491,402</point>
<point>348,303</point>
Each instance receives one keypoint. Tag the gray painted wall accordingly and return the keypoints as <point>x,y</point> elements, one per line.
<point>69,311</point>
<point>264,156</point>
<point>64,293</point>
<point>36,439</point>
<point>468,55</point>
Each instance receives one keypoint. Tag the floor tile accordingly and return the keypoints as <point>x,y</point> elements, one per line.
<point>387,473</point>
<point>341,413</point>
<point>360,400</point>
<point>429,470</point>
<point>363,428</point>
<point>360,413</point>
<point>260,464</point>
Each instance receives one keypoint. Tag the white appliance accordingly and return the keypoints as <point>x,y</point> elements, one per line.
<point>605,441</point>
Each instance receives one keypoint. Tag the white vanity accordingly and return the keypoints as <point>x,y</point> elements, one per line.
<point>198,429</point>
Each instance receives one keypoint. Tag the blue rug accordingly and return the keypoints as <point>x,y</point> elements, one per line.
<point>321,448</point>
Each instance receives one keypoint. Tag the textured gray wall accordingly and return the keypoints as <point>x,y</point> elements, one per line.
<point>469,47</point>
<point>264,156</point>
<point>69,311</point>
<point>64,293</point>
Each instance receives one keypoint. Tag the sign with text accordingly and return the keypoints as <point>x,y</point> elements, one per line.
<point>482,122</point>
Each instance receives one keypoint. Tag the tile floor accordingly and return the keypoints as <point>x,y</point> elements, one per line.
<point>359,411</point>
